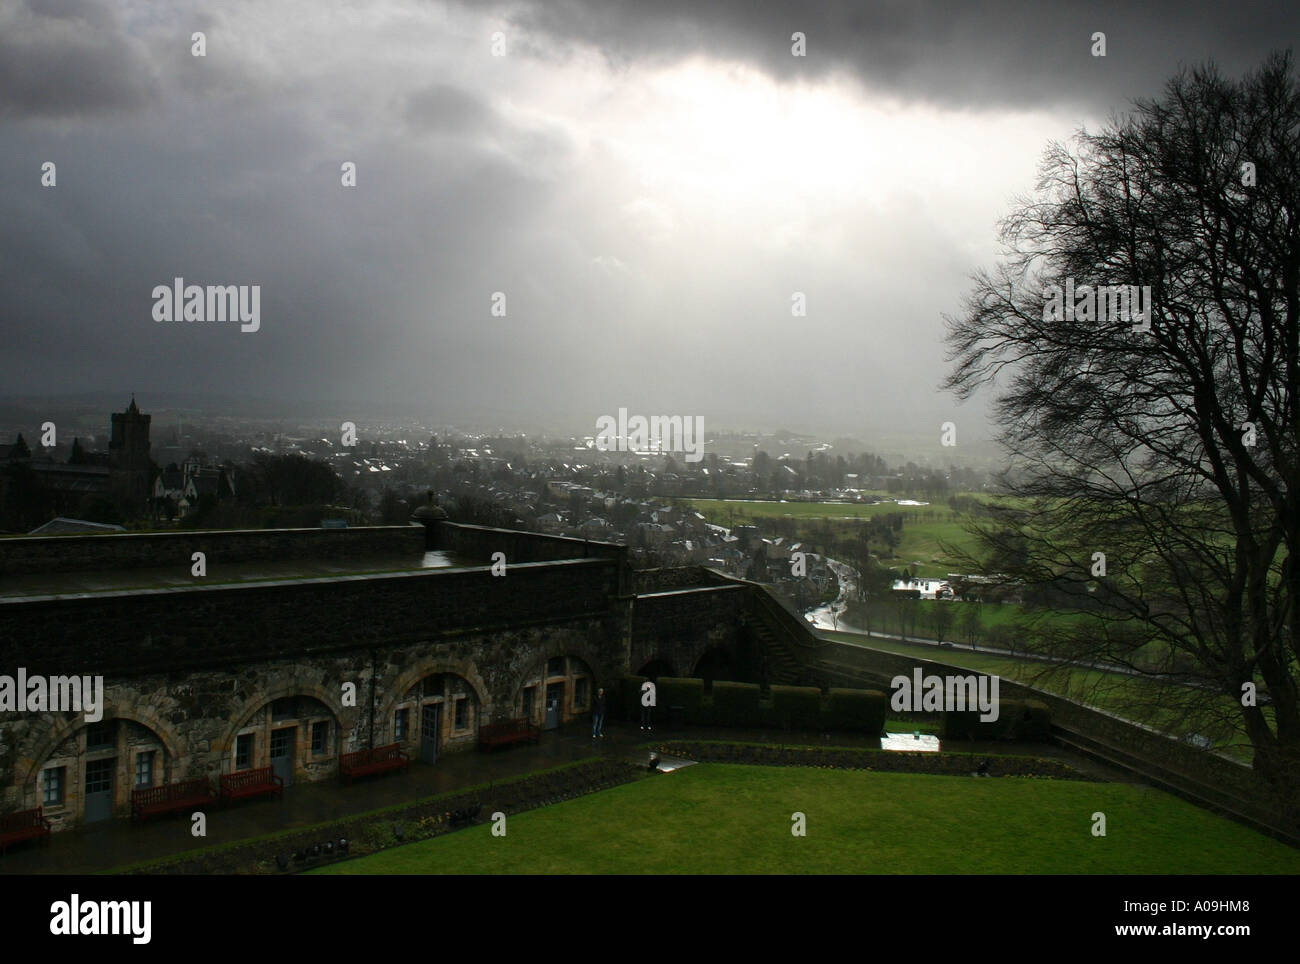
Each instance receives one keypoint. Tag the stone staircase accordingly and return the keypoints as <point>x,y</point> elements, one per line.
<point>787,645</point>
<point>779,665</point>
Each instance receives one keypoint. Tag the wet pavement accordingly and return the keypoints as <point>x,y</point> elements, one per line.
<point>117,843</point>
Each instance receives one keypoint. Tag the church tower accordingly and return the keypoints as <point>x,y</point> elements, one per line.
<point>131,471</point>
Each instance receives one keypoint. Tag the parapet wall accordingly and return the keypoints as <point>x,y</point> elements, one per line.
<point>679,577</point>
<point>478,543</point>
<point>31,555</point>
<point>681,625</point>
<point>204,627</point>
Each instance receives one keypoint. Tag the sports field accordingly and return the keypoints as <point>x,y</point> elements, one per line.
<point>728,819</point>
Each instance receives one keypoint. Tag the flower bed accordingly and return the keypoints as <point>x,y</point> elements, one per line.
<point>368,833</point>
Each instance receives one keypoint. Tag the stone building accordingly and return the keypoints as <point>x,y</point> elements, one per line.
<point>131,469</point>
<point>202,680</point>
<point>124,475</point>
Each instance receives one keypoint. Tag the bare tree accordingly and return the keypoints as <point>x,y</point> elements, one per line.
<point>1159,470</point>
<point>968,623</point>
<point>940,619</point>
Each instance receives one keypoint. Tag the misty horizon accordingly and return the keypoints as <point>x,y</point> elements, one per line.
<point>526,213</point>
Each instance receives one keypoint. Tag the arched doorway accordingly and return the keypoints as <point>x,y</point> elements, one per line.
<point>91,773</point>
<point>293,735</point>
<point>655,669</point>
<point>714,664</point>
<point>558,690</point>
<point>439,711</point>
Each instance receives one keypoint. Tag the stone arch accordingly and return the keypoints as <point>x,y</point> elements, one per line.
<point>428,666</point>
<point>656,668</point>
<point>305,743</point>
<point>146,749</point>
<point>565,645</point>
<point>716,662</point>
<point>263,695</point>
<point>44,741</point>
<point>437,705</point>
<point>566,675</point>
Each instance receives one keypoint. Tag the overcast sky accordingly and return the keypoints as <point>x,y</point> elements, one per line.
<point>648,182</point>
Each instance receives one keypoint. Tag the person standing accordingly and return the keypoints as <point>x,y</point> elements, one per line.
<point>647,721</point>
<point>598,714</point>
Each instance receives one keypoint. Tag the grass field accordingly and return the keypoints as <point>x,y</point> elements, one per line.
<point>725,819</point>
<point>722,511</point>
<point>927,530</point>
<point>883,616</point>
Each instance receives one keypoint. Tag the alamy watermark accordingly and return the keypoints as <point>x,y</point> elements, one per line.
<point>658,433</point>
<point>1129,303</point>
<point>53,694</point>
<point>182,302</point>
<point>76,917</point>
<point>948,694</point>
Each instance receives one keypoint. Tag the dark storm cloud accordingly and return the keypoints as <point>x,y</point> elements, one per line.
<point>1005,53</point>
<point>443,108</point>
<point>61,58</point>
<point>86,11</point>
<point>478,174</point>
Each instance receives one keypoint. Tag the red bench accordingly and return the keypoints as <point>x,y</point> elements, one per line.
<point>23,825</point>
<point>507,733</point>
<point>378,759</point>
<point>151,801</point>
<point>250,783</point>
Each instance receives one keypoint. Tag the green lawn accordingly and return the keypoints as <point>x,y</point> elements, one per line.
<point>926,529</point>
<point>883,614</point>
<point>727,512</point>
<point>725,819</point>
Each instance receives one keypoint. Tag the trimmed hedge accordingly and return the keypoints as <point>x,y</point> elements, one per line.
<point>797,707</point>
<point>736,704</point>
<point>686,693</point>
<point>742,705</point>
<point>1026,720</point>
<point>856,711</point>
<point>373,830</point>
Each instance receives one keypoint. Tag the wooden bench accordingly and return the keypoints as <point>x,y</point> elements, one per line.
<point>250,783</point>
<point>151,801</point>
<point>23,825</point>
<point>377,759</point>
<point>507,733</point>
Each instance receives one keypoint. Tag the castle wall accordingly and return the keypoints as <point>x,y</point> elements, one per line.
<point>28,555</point>
<point>337,660</point>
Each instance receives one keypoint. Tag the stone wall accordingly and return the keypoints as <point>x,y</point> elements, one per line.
<point>478,543</point>
<point>202,627</point>
<point>679,577</point>
<point>188,669</point>
<point>31,555</point>
<point>194,717</point>
<point>682,625</point>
